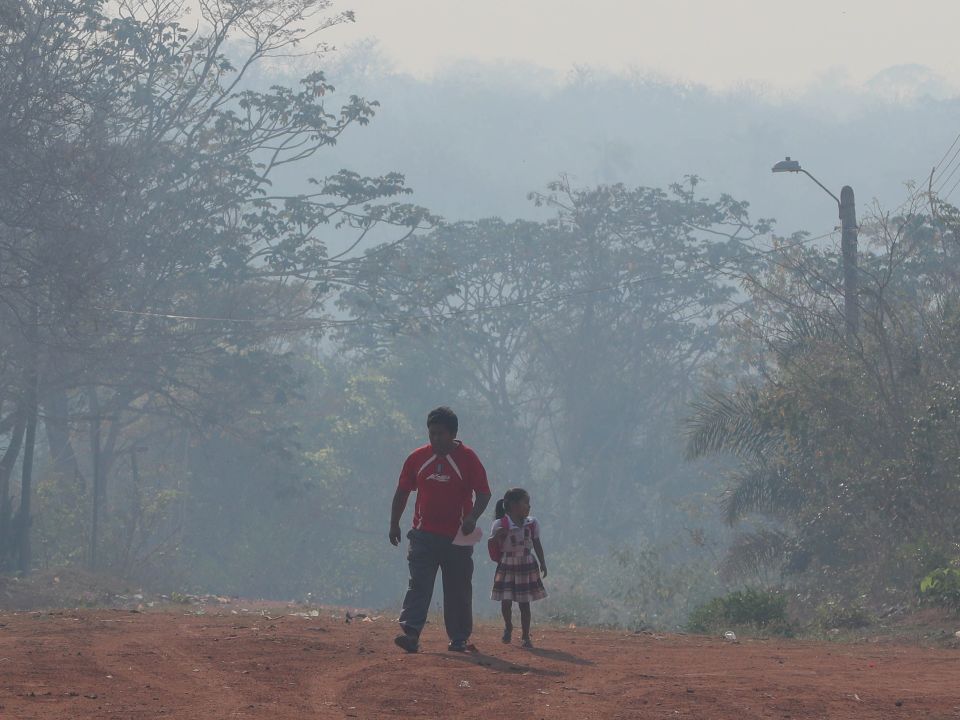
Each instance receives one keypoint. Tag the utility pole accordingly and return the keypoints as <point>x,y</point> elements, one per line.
<point>848,250</point>
<point>848,244</point>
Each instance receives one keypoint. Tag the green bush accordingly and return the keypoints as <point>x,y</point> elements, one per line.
<point>760,609</point>
<point>849,617</point>
<point>942,587</point>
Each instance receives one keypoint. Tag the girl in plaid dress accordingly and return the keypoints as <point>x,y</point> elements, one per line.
<point>518,576</point>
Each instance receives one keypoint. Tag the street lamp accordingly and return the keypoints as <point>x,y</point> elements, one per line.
<point>848,242</point>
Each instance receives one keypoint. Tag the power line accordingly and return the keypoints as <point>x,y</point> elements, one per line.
<point>952,145</point>
<point>798,243</point>
<point>943,198</point>
<point>943,184</point>
<point>952,159</point>
<point>171,316</point>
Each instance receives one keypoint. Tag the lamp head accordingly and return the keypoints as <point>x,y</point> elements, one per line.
<point>787,165</point>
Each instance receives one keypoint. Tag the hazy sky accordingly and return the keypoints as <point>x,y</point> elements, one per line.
<point>781,44</point>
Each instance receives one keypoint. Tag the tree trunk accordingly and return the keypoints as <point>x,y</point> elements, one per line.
<point>97,473</point>
<point>7,464</point>
<point>24,519</point>
<point>25,560</point>
<point>56,418</point>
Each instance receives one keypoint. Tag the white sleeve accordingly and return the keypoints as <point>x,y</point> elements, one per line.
<point>534,529</point>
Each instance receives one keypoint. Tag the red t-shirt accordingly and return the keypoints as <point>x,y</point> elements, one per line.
<point>445,485</point>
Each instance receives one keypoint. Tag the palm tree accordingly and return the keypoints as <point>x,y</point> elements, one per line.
<point>762,427</point>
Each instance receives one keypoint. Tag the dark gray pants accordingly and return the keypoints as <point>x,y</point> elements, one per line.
<point>427,553</point>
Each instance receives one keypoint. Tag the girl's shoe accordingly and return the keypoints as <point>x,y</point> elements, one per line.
<point>527,644</point>
<point>507,635</point>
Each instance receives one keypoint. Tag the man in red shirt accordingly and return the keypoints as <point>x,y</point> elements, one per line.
<point>452,493</point>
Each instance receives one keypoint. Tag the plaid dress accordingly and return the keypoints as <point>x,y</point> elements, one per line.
<point>518,576</point>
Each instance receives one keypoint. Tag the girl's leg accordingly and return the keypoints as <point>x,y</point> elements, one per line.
<point>525,619</point>
<point>506,609</point>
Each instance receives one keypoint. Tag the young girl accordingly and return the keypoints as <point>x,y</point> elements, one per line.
<point>517,579</point>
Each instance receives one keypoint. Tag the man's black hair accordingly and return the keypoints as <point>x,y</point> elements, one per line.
<point>444,416</point>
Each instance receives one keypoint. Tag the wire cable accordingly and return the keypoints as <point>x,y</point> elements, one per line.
<point>947,179</point>
<point>944,198</point>
<point>952,145</point>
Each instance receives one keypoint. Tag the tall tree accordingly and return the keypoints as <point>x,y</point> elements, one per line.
<point>582,335</point>
<point>154,263</point>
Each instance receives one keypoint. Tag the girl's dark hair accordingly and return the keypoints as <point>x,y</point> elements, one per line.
<point>509,498</point>
<point>444,416</point>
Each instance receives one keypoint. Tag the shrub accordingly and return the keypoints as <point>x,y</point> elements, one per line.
<point>834,615</point>
<point>942,587</point>
<point>745,608</point>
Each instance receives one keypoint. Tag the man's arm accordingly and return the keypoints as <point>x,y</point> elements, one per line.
<point>396,511</point>
<point>479,505</point>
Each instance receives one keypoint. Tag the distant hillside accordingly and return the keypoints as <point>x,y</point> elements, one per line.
<point>475,140</point>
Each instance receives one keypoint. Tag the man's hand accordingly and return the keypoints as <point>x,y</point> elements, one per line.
<point>543,570</point>
<point>479,505</point>
<point>396,512</point>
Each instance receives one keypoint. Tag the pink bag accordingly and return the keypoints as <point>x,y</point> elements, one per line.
<point>494,548</point>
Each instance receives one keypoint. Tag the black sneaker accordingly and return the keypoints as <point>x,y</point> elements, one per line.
<point>457,646</point>
<point>409,643</point>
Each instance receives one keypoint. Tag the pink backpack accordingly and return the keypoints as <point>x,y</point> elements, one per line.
<point>494,547</point>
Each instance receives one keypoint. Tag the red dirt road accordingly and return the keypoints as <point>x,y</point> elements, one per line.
<point>108,664</point>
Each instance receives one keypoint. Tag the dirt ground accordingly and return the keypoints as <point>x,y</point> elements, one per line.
<point>285,663</point>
